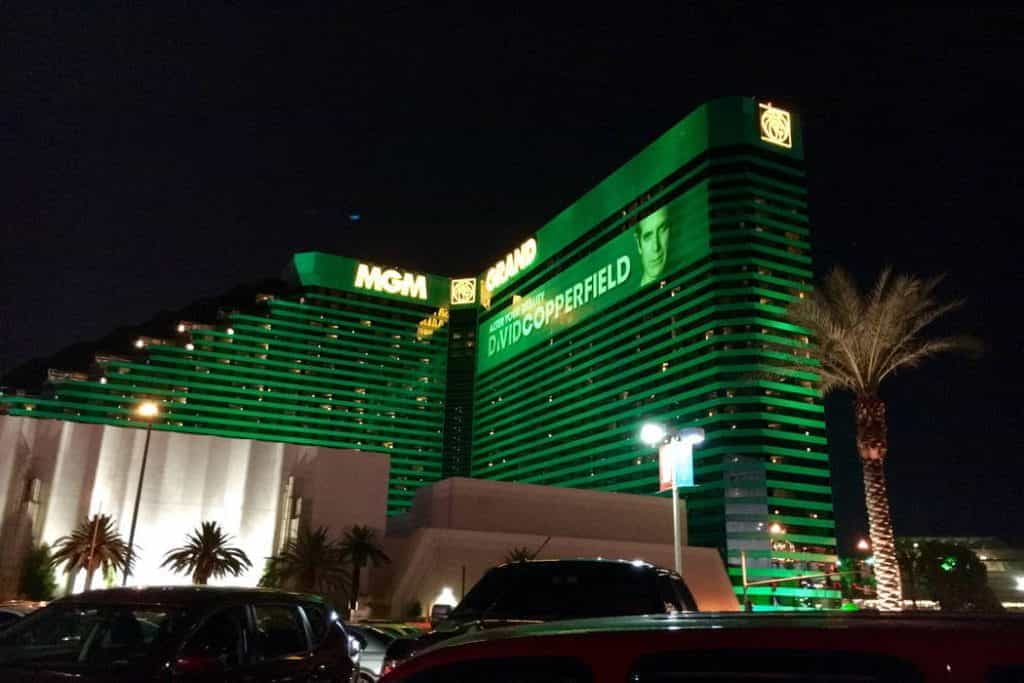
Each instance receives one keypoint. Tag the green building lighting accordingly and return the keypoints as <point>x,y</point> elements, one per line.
<point>658,295</point>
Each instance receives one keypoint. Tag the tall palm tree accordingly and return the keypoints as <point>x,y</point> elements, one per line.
<point>207,554</point>
<point>861,339</point>
<point>360,547</point>
<point>94,544</point>
<point>310,562</point>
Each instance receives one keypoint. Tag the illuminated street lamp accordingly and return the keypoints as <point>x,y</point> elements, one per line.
<point>673,450</point>
<point>863,544</point>
<point>148,411</point>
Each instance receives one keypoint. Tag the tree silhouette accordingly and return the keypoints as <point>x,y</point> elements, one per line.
<point>360,547</point>
<point>207,554</point>
<point>93,545</point>
<point>310,562</point>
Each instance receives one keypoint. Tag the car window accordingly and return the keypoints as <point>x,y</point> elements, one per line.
<point>509,670</point>
<point>316,615</point>
<point>221,636</point>
<point>279,631</point>
<point>106,635</point>
<point>547,591</point>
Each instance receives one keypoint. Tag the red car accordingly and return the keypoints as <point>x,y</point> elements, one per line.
<point>736,647</point>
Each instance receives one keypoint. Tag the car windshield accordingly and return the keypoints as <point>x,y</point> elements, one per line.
<point>84,637</point>
<point>567,591</point>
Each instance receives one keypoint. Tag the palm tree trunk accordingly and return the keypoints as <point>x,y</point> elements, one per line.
<point>88,577</point>
<point>354,598</point>
<point>873,446</point>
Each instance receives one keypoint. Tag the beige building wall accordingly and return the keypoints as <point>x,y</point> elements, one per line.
<point>459,528</point>
<point>82,469</point>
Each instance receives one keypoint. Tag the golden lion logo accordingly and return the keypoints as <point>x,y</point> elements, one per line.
<point>464,291</point>
<point>776,127</point>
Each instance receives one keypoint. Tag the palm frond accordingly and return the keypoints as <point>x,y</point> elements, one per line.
<point>311,562</point>
<point>207,554</point>
<point>861,338</point>
<point>94,544</point>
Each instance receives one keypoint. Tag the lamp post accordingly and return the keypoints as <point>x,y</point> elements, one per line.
<point>673,448</point>
<point>148,411</point>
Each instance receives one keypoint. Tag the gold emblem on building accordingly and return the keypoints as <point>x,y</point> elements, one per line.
<point>464,291</point>
<point>776,126</point>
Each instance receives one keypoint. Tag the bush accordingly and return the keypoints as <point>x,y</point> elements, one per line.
<point>37,580</point>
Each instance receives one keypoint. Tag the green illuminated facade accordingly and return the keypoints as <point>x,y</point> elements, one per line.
<point>660,294</point>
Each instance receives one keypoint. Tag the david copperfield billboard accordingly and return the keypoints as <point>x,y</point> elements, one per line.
<point>660,244</point>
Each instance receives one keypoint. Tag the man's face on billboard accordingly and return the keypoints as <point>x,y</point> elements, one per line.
<point>652,243</point>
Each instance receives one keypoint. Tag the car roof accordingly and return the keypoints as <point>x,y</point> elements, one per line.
<point>934,644</point>
<point>183,596</point>
<point>741,620</point>
<point>583,562</point>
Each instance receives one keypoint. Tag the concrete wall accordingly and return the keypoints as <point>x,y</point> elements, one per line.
<point>461,503</point>
<point>189,478</point>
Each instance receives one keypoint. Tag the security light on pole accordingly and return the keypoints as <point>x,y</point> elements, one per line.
<point>148,411</point>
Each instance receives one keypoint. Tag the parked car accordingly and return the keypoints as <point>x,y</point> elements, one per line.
<point>551,590</point>
<point>12,611</point>
<point>397,629</point>
<point>373,643</point>
<point>731,647</point>
<point>193,633</point>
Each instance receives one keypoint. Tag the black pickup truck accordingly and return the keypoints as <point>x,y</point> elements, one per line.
<point>552,590</point>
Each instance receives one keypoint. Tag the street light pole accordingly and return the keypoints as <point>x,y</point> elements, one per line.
<point>677,448</point>
<point>149,411</point>
<point>677,545</point>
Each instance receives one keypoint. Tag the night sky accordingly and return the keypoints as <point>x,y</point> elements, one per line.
<point>155,155</point>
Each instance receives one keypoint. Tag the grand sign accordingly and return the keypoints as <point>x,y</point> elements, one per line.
<point>510,266</point>
<point>391,281</point>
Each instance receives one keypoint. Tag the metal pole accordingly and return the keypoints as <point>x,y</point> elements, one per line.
<point>676,523</point>
<point>135,512</point>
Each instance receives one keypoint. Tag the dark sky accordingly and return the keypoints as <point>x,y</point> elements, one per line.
<point>153,155</point>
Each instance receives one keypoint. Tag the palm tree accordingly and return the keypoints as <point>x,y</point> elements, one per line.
<point>862,338</point>
<point>518,554</point>
<point>360,547</point>
<point>310,562</point>
<point>95,544</point>
<point>207,554</point>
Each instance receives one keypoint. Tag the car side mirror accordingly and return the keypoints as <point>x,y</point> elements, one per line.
<point>439,613</point>
<point>198,664</point>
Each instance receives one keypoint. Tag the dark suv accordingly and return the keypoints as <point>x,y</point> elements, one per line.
<point>550,590</point>
<point>193,633</point>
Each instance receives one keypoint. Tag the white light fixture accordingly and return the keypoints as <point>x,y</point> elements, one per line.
<point>231,330</point>
<point>147,409</point>
<point>1020,583</point>
<point>863,544</point>
<point>190,347</point>
<point>140,343</point>
<point>652,433</point>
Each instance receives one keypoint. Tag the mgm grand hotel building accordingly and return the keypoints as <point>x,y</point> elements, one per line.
<point>658,295</point>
